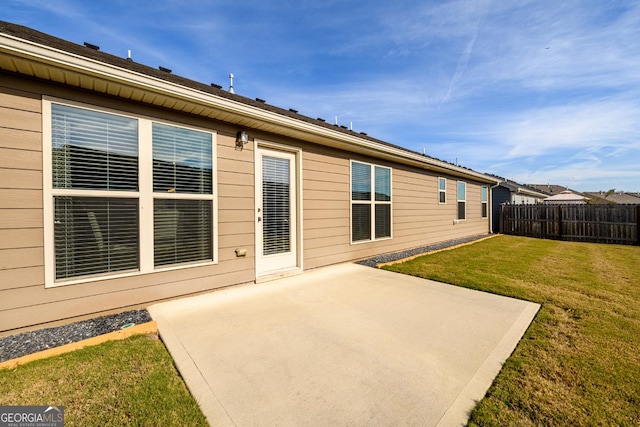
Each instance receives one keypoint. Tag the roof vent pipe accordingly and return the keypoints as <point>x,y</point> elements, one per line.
<point>231,84</point>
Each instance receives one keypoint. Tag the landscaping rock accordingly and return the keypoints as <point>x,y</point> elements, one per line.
<point>396,256</point>
<point>19,345</point>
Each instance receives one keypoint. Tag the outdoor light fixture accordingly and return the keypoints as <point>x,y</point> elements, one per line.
<point>241,139</point>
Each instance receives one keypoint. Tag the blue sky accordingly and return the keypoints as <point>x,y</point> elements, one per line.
<point>536,91</point>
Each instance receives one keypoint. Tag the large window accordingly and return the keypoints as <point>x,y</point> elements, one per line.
<point>370,202</point>
<point>484,198</point>
<point>442,191</point>
<point>126,195</point>
<point>462,200</point>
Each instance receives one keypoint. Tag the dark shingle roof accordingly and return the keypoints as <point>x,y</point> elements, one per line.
<point>515,186</point>
<point>619,197</point>
<point>552,189</point>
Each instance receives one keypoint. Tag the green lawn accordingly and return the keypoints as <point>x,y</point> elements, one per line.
<point>132,382</point>
<point>579,362</point>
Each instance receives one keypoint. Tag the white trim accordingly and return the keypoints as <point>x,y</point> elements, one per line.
<point>47,196</point>
<point>144,195</point>
<point>298,210</point>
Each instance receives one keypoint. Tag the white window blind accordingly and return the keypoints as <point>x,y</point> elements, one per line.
<point>94,151</point>
<point>182,231</point>
<point>182,165</point>
<point>95,235</point>
<point>181,160</point>
<point>276,200</point>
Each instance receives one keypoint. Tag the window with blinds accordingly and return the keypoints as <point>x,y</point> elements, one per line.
<point>183,192</point>
<point>98,194</point>
<point>370,202</point>
<point>181,231</point>
<point>95,235</point>
<point>462,200</point>
<point>181,160</point>
<point>93,150</point>
<point>276,205</point>
<point>96,154</point>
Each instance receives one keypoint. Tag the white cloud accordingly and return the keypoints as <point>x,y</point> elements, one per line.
<point>583,126</point>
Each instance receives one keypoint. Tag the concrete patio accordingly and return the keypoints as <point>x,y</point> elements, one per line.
<point>341,345</point>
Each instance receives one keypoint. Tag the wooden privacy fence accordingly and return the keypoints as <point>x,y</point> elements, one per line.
<point>619,224</point>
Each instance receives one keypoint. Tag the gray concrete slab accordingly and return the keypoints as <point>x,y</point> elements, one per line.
<point>341,345</point>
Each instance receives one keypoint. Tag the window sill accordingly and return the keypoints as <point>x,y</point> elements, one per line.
<point>360,242</point>
<point>124,274</point>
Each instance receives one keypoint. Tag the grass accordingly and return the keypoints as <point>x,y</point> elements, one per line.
<point>132,382</point>
<point>579,362</point>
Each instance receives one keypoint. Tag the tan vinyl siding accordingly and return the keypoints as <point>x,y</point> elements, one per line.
<point>418,218</point>
<point>21,240</point>
<point>326,193</point>
<point>24,300</point>
<point>21,277</point>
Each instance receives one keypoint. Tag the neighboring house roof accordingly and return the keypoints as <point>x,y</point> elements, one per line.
<point>36,54</point>
<point>615,197</point>
<point>518,188</point>
<point>551,188</point>
<point>566,196</point>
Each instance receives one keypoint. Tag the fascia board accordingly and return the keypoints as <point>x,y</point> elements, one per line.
<point>77,63</point>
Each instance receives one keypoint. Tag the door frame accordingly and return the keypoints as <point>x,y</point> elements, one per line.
<point>261,146</point>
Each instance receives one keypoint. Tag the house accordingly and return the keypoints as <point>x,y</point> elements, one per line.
<point>511,192</point>
<point>613,197</point>
<point>551,189</point>
<point>123,184</point>
<point>566,197</point>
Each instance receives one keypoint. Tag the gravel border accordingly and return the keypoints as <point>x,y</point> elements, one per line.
<point>396,256</point>
<point>18,345</point>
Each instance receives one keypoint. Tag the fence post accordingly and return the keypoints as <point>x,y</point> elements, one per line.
<point>560,222</point>
<point>638,224</point>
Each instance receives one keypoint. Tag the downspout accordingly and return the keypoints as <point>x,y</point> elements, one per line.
<point>491,204</point>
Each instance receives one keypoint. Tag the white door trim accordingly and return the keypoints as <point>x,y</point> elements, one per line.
<point>263,264</point>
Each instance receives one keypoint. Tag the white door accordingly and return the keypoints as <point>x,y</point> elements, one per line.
<point>276,212</point>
